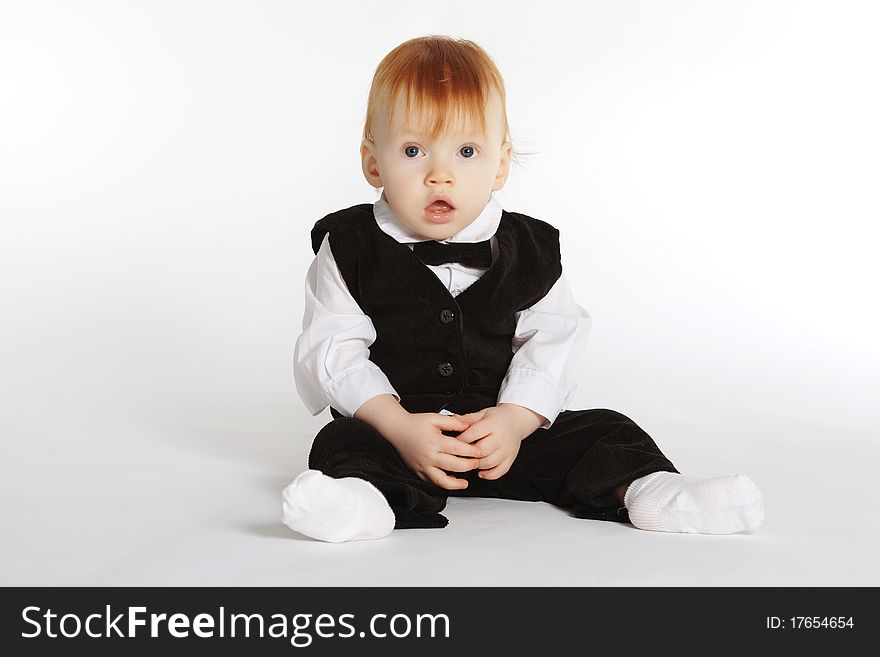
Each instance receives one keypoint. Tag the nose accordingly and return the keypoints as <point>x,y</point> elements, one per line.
<point>439,173</point>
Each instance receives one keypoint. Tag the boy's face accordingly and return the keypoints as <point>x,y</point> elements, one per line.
<point>465,166</point>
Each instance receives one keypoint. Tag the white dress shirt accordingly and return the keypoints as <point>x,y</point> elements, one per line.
<point>331,357</point>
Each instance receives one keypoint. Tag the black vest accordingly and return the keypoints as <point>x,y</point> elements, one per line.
<point>440,351</point>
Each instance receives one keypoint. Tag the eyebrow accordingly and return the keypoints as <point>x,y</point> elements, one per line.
<point>468,135</point>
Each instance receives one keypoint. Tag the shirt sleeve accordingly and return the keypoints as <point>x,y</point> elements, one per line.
<point>332,363</point>
<point>548,344</point>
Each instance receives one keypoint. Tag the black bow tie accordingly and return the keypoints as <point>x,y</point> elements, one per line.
<point>471,254</point>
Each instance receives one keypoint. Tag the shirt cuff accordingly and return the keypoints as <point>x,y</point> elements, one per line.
<point>534,390</point>
<point>347,393</point>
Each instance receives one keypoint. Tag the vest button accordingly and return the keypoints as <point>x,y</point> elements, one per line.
<point>445,369</point>
<point>446,315</point>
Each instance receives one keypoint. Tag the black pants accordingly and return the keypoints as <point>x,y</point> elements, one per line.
<point>575,464</point>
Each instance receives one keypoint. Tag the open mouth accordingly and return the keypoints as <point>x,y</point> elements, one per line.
<point>438,207</point>
<point>439,212</point>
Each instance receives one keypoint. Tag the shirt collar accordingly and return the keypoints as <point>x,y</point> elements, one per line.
<point>482,228</point>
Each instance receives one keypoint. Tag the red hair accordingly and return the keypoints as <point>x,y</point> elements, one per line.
<point>442,81</point>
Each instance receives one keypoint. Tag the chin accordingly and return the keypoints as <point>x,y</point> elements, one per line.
<point>439,233</point>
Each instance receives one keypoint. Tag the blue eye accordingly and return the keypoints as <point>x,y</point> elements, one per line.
<point>409,150</point>
<point>468,152</point>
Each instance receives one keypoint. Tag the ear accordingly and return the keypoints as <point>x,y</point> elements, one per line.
<point>503,166</point>
<point>370,163</point>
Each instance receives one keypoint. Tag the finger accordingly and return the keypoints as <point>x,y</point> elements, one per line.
<point>449,423</point>
<point>455,446</point>
<point>467,419</point>
<point>470,418</point>
<point>487,443</point>
<point>492,460</point>
<point>474,432</point>
<point>446,481</point>
<point>494,473</point>
<point>456,463</point>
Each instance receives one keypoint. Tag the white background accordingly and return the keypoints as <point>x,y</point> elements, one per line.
<point>712,166</point>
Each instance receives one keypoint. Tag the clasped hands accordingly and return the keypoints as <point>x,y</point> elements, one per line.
<point>489,441</point>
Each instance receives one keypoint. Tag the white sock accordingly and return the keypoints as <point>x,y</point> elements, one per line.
<point>671,502</point>
<point>336,510</point>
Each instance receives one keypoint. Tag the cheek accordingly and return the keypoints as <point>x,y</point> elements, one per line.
<point>489,168</point>
<point>400,169</point>
<point>476,177</point>
<point>478,169</point>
